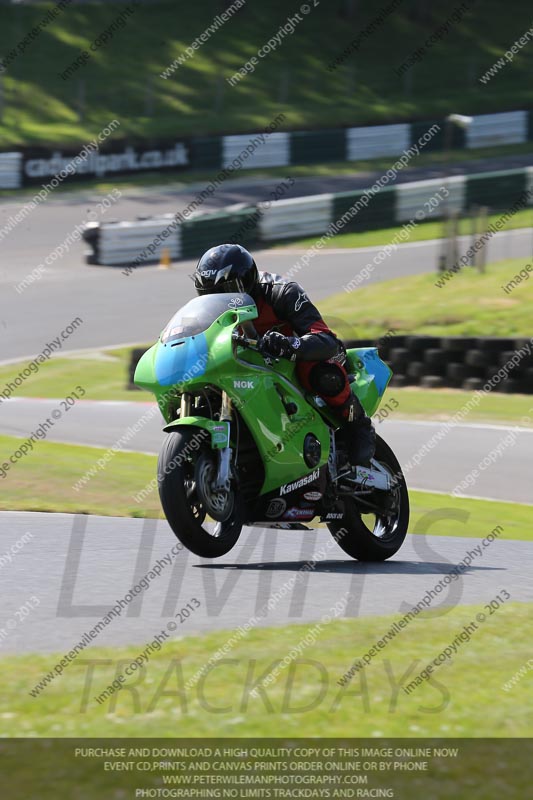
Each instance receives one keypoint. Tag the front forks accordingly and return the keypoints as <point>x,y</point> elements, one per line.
<point>222,481</point>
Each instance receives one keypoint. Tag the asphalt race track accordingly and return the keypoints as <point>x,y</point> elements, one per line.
<point>79,567</point>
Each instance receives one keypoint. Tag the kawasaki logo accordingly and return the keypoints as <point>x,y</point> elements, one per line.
<point>243,384</point>
<point>290,487</point>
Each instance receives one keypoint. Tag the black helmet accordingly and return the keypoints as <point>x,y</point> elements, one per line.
<point>226,268</point>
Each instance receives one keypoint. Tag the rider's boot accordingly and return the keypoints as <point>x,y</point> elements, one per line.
<point>358,432</point>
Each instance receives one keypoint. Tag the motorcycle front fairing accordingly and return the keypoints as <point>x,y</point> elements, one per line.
<point>196,350</point>
<point>190,356</point>
<point>186,356</point>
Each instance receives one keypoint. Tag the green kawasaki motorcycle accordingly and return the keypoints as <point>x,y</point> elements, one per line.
<point>246,445</point>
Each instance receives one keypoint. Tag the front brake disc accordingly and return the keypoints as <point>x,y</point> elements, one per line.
<point>219,505</point>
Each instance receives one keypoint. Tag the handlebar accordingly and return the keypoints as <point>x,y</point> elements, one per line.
<point>244,341</point>
<point>253,344</point>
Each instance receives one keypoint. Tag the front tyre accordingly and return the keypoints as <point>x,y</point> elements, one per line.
<point>184,471</point>
<point>374,526</point>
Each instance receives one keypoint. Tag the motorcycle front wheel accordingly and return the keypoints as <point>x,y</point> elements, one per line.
<point>374,525</point>
<point>184,474</point>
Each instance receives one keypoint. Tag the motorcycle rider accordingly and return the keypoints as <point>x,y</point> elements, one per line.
<point>292,327</point>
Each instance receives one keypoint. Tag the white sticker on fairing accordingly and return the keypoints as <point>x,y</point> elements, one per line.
<point>299,513</point>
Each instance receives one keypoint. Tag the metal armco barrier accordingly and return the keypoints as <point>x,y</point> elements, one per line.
<point>377,141</point>
<point>285,219</point>
<point>379,213</point>
<point>10,170</point>
<point>497,189</point>
<point>274,151</point>
<point>120,243</point>
<point>37,165</point>
<point>490,130</point>
<point>312,147</point>
<point>411,197</point>
<point>233,224</point>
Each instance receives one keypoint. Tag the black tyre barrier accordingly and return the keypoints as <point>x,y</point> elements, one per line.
<point>135,357</point>
<point>457,362</point>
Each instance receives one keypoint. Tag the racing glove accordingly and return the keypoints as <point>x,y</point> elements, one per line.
<point>277,345</point>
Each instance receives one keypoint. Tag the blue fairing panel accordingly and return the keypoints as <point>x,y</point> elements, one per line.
<point>181,360</point>
<point>375,367</point>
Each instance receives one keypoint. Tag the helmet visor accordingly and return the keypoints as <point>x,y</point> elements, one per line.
<point>224,287</point>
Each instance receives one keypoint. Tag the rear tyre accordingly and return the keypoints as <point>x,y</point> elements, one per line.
<point>184,471</point>
<point>378,535</point>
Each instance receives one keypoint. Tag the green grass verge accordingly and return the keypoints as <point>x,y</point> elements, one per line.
<point>102,373</point>
<point>483,517</point>
<point>44,481</point>
<point>441,404</point>
<point>424,231</point>
<point>40,107</point>
<point>463,697</point>
<point>415,305</point>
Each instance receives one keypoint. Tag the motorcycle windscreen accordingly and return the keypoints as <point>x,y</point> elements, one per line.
<point>199,314</point>
<point>183,351</point>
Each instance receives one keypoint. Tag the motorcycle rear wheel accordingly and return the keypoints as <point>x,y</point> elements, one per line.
<point>375,536</point>
<point>177,474</point>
